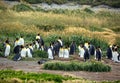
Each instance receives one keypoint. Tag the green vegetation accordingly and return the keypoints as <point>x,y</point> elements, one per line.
<point>82,26</point>
<point>51,27</point>
<point>113,3</point>
<point>78,66</point>
<point>2,8</point>
<point>40,54</point>
<point>10,76</point>
<point>22,7</point>
<point>6,75</point>
<point>1,50</point>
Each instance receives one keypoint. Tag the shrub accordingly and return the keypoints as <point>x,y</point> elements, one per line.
<point>77,66</point>
<point>41,54</point>
<point>22,7</point>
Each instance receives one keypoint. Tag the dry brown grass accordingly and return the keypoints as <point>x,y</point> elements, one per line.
<point>50,18</point>
<point>26,22</point>
<point>2,4</point>
<point>106,35</point>
<point>15,80</point>
<point>78,81</point>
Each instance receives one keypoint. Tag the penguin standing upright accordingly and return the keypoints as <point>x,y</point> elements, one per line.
<point>7,49</point>
<point>115,55</point>
<point>72,48</point>
<point>91,49</point>
<point>38,36</point>
<point>23,52</point>
<point>37,44</point>
<point>21,41</point>
<point>86,54</point>
<point>60,41</point>
<point>81,50</point>
<point>29,51</point>
<point>16,46</point>
<point>98,53</point>
<point>61,51</point>
<point>50,53</point>
<point>66,52</point>
<point>109,52</point>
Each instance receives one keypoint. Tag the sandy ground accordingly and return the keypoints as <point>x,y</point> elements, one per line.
<point>32,66</point>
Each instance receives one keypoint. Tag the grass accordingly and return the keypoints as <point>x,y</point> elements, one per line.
<point>22,7</point>
<point>33,22</point>
<point>11,76</point>
<point>77,66</point>
<point>26,77</point>
<point>85,2</point>
<point>100,28</point>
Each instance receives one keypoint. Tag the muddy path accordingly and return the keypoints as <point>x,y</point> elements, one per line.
<point>32,66</point>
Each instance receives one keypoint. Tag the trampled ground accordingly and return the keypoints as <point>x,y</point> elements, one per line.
<point>32,66</point>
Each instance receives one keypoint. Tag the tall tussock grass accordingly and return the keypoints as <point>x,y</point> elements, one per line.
<point>3,6</point>
<point>90,26</point>
<point>77,66</point>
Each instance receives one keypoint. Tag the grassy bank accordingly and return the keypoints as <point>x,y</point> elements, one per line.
<point>100,28</point>
<point>10,76</point>
<point>112,3</point>
<point>98,25</point>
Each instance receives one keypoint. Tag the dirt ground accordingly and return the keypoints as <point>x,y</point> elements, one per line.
<point>32,66</point>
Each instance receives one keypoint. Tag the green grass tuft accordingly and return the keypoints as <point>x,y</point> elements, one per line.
<point>22,7</point>
<point>78,66</point>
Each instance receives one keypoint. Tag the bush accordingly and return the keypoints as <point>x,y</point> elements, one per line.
<point>22,7</point>
<point>41,54</point>
<point>77,66</point>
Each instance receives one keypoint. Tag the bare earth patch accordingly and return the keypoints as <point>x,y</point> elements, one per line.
<point>32,66</point>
